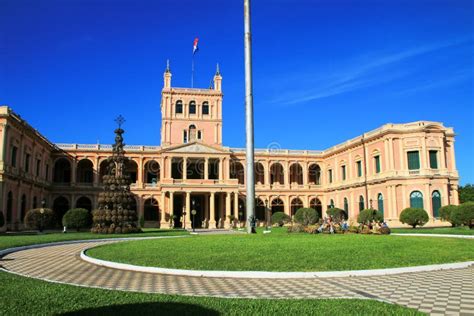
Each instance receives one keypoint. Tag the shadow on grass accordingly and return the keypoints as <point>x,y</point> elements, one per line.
<point>149,308</point>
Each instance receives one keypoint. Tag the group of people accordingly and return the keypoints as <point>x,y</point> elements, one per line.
<point>328,223</point>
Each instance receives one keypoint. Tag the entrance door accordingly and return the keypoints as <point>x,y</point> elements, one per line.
<point>199,208</point>
<point>178,203</point>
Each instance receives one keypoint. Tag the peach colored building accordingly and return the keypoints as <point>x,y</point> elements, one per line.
<point>390,168</point>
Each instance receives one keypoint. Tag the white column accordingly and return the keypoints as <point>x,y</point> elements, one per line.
<point>188,209</point>
<point>212,217</point>
<point>185,168</point>
<point>206,168</point>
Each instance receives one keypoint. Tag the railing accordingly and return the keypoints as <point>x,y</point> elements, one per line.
<point>106,147</point>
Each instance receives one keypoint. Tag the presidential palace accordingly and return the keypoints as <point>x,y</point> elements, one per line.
<point>390,168</point>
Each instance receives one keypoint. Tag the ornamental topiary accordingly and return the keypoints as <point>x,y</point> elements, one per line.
<point>337,214</point>
<point>280,218</point>
<point>306,216</point>
<point>40,218</point>
<point>446,211</point>
<point>77,218</point>
<point>464,214</point>
<point>369,215</point>
<point>414,216</point>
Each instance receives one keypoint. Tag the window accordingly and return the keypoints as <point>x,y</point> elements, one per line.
<point>13,156</point>
<point>185,137</point>
<point>359,168</point>
<point>330,175</point>
<point>377,164</point>
<point>179,107</point>
<point>413,160</point>
<point>192,133</point>
<point>199,134</point>
<point>416,199</point>
<point>433,159</point>
<point>205,108</point>
<point>436,202</point>
<point>380,202</point>
<point>38,165</point>
<point>346,206</point>
<point>192,107</point>
<point>343,169</point>
<point>361,203</point>
<point>27,162</point>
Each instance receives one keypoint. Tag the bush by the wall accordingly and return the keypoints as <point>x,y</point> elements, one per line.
<point>446,211</point>
<point>280,218</point>
<point>414,217</point>
<point>464,214</point>
<point>77,218</point>
<point>306,216</point>
<point>369,215</point>
<point>40,218</point>
<point>337,214</point>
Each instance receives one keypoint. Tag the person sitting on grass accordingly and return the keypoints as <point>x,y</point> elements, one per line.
<point>331,225</point>
<point>344,226</point>
<point>322,226</point>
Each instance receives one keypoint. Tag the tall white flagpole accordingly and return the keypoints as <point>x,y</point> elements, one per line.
<point>192,72</point>
<point>249,150</point>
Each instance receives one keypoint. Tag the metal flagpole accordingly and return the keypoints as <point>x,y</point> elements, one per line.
<point>250,180</point>
<point>192,72</point>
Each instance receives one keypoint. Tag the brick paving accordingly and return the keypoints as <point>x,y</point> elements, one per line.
<point>446,292</point>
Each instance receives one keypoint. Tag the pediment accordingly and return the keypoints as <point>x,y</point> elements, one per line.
<point>194,148</point>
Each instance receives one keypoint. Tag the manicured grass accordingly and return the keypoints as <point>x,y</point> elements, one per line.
<point>23,296</point>
<point>280,251</point>
<point>441,230</point>
<point>16,240</point>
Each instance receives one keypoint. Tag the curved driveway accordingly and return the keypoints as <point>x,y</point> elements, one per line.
<point>444,292</point>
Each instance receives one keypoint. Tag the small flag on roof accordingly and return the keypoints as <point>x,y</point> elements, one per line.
<point>195,45</point>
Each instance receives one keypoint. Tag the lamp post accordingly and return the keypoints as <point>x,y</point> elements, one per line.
<point>43,203</point>
<point>193,213</point>
<point>184,217</point>
<point>267,210</point>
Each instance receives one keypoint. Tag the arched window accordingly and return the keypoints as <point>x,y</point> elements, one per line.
<point>296,204</point>
<point>259,173</point>
<point>346,206</point>
<point>192,107</point>
<point>205,108</point>
<point>436,202</point>
<point>85,171</point>
<point>62,171</point>
<point>316,204</point>
<point>84,202</point>
<point>314,174</point>
<point>236,171</point>
<point>416,199</point>
<point>179,107</point>
<point>361,203</point>
<point>192,132</point>
<point>277,205</point>
<point>296,174</point>
<point>380,202</point>
<point>60,207</point>
<point>277,174</point>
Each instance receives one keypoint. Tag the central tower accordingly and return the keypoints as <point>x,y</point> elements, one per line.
<point>190,114</point>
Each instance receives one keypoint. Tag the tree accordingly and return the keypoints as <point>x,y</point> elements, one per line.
<point>306,216</point>
<point>466,193</point>
<point>414,217</point>
<point>464,214</point>
<point>336,213</point>
<point>40,218</point>
<point>280,218</point>
<point>445,213</point>
<point>368,215</point>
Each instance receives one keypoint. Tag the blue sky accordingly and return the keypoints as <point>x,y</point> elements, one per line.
<point>324,71</point>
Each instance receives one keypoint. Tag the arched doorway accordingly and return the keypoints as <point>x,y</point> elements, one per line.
<point>436,202</point>
<point>62,171</point>
<point>60,207</point>
<point>296,174</point>
<point>151,212</point>
<point>314,174</point>
<point>296,204</point>
<point>277,174</point>
<point>84,202</point>
<point>316,204</point>
<point>278,205</point>
<point>260,209</point>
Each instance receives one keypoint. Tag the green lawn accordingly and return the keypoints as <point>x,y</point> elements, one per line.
<point>16,240</point>
<point>280,251</point>
<point>441,230</point>
<point>25,296</point>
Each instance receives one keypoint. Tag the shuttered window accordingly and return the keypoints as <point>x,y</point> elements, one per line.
<point>413,160</point>
<point>433,159</point>
<point>359,168</point>
<point>377,164</point>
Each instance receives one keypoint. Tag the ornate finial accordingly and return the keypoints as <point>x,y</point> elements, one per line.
<point>120,120</point>
<point>167,66</point>
<point>210,85</point>
<point>217,70</point>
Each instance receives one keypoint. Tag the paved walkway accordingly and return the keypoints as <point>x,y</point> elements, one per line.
<point>436,292</point>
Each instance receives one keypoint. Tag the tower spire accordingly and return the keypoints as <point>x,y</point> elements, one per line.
<point>167,66</point>
<point>217,70</point>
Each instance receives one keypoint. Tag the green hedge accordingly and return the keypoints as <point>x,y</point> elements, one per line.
<point>445,213</point>
<point>280,218</point>
<point>464,215</point>
<point>414,217</point>
<point>306,216</point>
<point>77,218</point>
<point>336,213</point>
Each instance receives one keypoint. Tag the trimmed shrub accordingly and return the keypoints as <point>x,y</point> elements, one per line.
<point>464,214</point>
<point>77,218</point>
<point>280,218</point>
<point>306,216</point>
<point>414,216</point>
<point>2,219</point>
<point>445,213</point>
<point>40,218</point>
<point>369,215</point>
<point>337,214</point>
